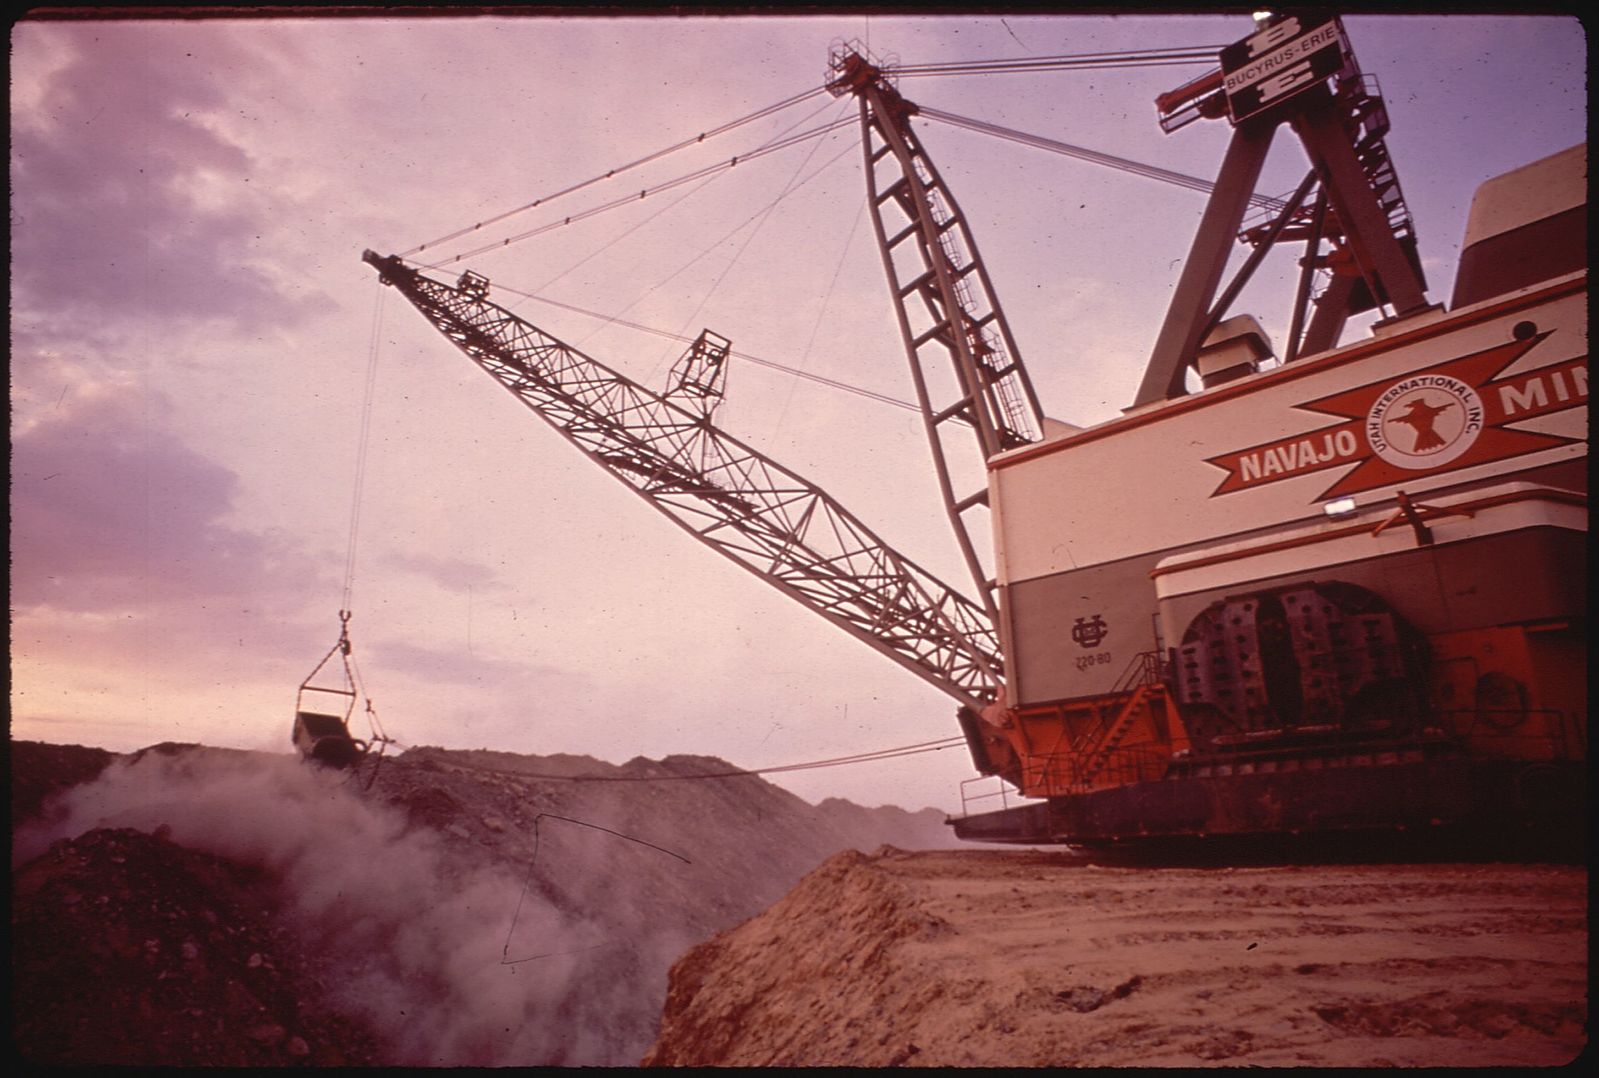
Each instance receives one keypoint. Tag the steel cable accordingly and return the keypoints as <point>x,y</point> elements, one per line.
<point>684,339</point>
<point>836,761</point>
<point>794,183</point>
<point>1123,164</point>
<point>646,159</point>
<point>1077,61</point>
<point>735,230</point>
<point>363,440</point>
<point>646,192</point>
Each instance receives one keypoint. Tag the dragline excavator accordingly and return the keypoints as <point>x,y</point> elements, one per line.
<point>1314,588</point>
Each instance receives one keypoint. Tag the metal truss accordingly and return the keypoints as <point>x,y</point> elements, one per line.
<point>1358,212</point>
<point>742,504</point>
<point>949,316</point>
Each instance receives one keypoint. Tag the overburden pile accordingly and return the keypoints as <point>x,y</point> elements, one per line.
<point>195,906</point>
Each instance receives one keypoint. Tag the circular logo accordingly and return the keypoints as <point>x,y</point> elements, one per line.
<point>1425,421</point>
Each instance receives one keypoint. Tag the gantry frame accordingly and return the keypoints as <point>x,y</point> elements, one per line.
<point>949,316</point>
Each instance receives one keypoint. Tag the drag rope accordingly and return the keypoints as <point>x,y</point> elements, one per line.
<point>505,952</point>
<point>732,773</point>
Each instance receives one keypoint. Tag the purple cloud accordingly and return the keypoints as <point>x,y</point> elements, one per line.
<point>111,510</point>
<point>126,199</point>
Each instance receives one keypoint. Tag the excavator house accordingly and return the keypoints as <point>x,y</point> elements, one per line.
<point>1296,587</point>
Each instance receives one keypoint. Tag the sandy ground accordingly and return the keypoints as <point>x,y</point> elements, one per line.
<point>1018,958</point>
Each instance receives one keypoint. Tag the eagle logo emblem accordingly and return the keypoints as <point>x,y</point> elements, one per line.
<point>1424,421</point>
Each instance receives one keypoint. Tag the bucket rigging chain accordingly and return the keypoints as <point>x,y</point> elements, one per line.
<point>322,712</point>
<point>322,725</point>
<point>731,497</point>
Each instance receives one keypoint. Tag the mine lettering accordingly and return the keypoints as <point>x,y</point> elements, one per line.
<point>1532,395</point>
<point>1295,456</point>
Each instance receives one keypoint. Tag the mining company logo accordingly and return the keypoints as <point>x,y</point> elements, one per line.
<point>1454,414</point>
<point>1438,419</point>
<point>1090,632</point>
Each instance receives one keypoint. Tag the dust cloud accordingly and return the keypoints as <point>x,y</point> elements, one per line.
<point>409,932</point>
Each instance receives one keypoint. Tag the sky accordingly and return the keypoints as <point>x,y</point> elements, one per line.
<point>192,327</point>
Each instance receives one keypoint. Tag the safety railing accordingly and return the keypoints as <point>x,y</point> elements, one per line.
<point>970,794</point>
<point>1145,668</point>
<point>1077,772</point>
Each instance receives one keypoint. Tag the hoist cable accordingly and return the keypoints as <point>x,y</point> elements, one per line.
<point>708,170</point>
<point>664,209</point>
<point>630,230</point>
<point>363,441</point>
<point>1124,164</point>
<point>764,215</point>
<point>646,159</point>
<point>1130,58</point>
<point>353,687</point>
<point>1088,60</point>
<point>616,319</point>
<point>730,233</point>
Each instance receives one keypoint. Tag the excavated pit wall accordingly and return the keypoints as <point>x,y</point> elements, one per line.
<point>983,958</point>
<point>478,908</point>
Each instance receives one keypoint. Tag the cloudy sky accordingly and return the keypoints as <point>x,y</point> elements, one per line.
<point>192,326</point>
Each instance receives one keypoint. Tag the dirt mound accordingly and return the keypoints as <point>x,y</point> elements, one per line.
<point>768,989</point>
<point>469,908</point>
<point>1019,958</point>
<point>127,947</point>
<point>40,771</point>
<point>732,845</point>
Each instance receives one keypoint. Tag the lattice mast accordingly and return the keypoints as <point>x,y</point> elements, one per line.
<point>734,499</point>
<point>949,316</point>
